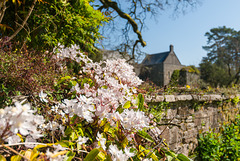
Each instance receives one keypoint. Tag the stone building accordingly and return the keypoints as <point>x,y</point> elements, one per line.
<point>159,67</point>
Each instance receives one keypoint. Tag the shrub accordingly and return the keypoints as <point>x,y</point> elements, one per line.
<point>175,78</point>
<point>26,72</point>
<point>224,145</point>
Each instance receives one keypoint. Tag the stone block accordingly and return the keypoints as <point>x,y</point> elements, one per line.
<point>204,98</point>
<point>185,149</point>
<point>173,135</point>
<point>159,98</point>
<point>183,126</point>
<point>195,97</point>
<point>171,113</point>
<point>189,97</point>
<point>183,111</point>
<point>190,133</point>
<point>165,134</point>
<point>189,119</point>
<point>190,126</point>
<point>148,98</point>
<point>170,98</point>
<point>176,121</point>
<point>215,97</point>
<point>186,140</point>
<point>183,97</point>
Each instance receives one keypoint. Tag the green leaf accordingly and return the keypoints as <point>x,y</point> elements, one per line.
<point>90,130</point>
<point>124,142</point>
<point>169,153</point>
<point>63,79</point>
<point>73,136</point>
<point>64,143</point>
<point>92,155</point>
<point>69,156</point>
<point>106,127</point>
<point>73,82</point>
<point>16,158</point>
<point>34,154</point>
<point>127,104</point>
<point>42,146</point>
<point>140,100</point>
<point>103,122</point>
<point>154,157</point>
<point>145,135</point>
<point>108,158</point>
<point>68,131</point>
<point>80,131</point>
<point>2,158</point>
<point>182,157</point>
<point>142,151</point>
<point>101,156</point>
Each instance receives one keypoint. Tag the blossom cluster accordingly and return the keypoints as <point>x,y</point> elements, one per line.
<point>115,83</point>
<point>118,154</point>
<point>113,87</point>
<point>19,119</point>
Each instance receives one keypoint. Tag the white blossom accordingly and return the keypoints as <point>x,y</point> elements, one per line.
<point>128,153</point>
<point>43,96</point>
<point>29,139</point>
<point>82,140</point>
<point>117,155</point>
<point>101,140</point>
<point>19,119</point>
<point>52,125</point>
<point>131,119</point>
<point>13,139</point>
<point>52,156</point>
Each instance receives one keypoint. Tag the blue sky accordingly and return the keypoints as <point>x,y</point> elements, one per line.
<point>187,31</point>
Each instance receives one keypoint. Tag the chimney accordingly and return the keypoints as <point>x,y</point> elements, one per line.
<point>171,47</point>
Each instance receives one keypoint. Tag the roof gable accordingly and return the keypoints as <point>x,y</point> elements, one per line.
<point>155,58</point>
<point>173,60</point>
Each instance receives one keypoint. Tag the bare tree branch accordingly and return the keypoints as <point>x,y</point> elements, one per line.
<point>2,10</point>
<point>113,5</point>
<point>24,22</point>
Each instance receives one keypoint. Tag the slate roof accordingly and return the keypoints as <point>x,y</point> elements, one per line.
<point>155,58</point>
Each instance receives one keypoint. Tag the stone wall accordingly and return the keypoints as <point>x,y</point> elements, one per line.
<point>187,78</point>
<point>153,73</point>
<point>188,115</point>
<point>168,71</point>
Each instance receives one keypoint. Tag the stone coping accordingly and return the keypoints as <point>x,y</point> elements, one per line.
<point>169,98</point>
<point>175,98</point>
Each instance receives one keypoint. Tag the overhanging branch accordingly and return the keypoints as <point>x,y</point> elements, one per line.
<point>113,5</point>
<point>2,10</point>
<point>24,21</point>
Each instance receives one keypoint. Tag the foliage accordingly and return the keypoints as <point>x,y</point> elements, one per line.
<point>53,22</point>
<point>223,57</point>
<point>94,113</point>
<point>191,69</point>
<point>26,72</point>
<point>175,78</point>
<point>220,146</point>
<point>214,73</point>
